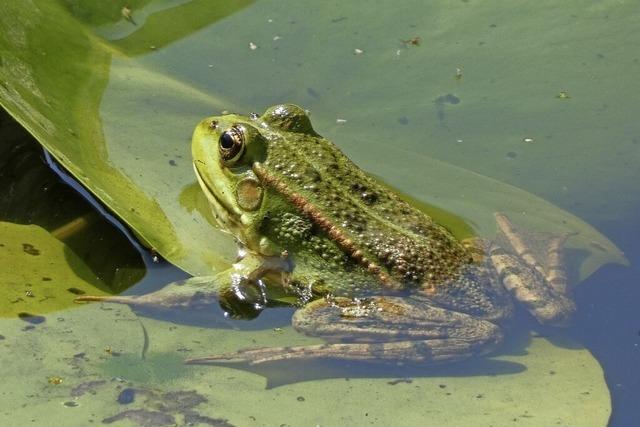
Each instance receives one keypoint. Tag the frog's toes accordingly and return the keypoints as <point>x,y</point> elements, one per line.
<point>535,274</point>
<point>541,251</point>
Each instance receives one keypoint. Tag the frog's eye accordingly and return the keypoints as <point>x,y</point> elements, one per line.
<point>231,144</point>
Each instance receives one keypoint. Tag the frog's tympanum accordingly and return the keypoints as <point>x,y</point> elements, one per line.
<point>376,278</point>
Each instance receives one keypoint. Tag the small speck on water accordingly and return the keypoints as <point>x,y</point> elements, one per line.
<point>300,399</point>
<point>312,93</point>
<point>71,404</point>
<point>173,162</point>
<point>512,154</point>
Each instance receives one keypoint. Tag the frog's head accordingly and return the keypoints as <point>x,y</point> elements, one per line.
<point>226,150</point>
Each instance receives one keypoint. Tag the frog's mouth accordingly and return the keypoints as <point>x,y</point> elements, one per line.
<point>221,208</point>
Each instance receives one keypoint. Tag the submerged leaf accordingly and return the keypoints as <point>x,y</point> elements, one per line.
<point>46,277</point>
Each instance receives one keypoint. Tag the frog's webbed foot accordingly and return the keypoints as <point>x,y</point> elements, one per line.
<point>378,329</point>
<point>535,275</point>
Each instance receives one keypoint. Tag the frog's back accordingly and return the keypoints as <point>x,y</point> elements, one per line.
<point>372,225</point>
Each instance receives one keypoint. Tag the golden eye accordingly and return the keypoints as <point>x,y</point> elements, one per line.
<point>231,144</point>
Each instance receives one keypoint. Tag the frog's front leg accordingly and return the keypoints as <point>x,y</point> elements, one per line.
<point>378,329</point>
<point>535,273</point>
<point>239,290</point>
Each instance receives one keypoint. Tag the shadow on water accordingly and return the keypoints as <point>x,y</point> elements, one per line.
<point>284,373</point>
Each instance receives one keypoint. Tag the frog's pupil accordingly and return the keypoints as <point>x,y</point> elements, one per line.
<point>226,141</point>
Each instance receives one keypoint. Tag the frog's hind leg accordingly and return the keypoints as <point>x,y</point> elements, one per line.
<point>391,329</point>
<point>535,275</point>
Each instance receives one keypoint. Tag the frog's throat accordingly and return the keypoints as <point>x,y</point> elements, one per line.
<point>223,213</point>
<point>318,218</point>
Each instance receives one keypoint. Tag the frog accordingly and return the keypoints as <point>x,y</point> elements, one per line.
<point>374,277</point>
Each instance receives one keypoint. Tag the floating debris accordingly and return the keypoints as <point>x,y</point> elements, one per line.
<point>357,51</point>
<point>528,140</point>
<point>253,46</point>
<point>55,380</point>
<point>30,249</point>
<point>458,73</point>
<point>127,14</point>
<point>413,41</point>
<point>563,95</point>
<point>341,121</point>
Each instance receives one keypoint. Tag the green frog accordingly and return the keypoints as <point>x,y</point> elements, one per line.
<point>376,278</point>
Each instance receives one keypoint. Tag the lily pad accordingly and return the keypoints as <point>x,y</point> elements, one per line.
<point>115,102</point>
<point>118,111</point>
<point>47,276</point>
<point>94,370</point>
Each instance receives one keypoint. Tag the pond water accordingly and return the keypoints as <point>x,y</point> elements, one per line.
<point>473,107</point>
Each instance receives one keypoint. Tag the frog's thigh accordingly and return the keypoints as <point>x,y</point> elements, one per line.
<point>393,328</point>
<point>382,328</point>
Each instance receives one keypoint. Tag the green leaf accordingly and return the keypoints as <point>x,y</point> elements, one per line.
<point>119,114</point>
<point>49,275</point>
<point>98,351</point>
<point>116,101</point>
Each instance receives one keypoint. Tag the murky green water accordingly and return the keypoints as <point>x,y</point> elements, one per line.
<point>538,96</point>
